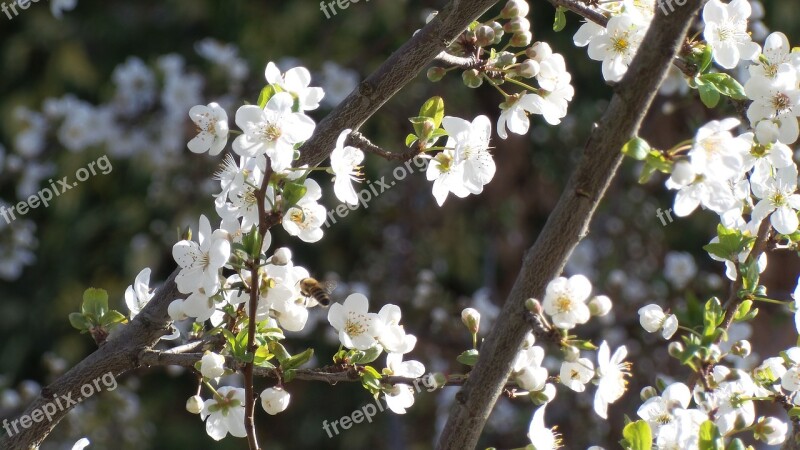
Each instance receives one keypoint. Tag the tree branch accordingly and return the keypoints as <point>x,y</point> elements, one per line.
<point>397,71</point>
<point>567,224</point>
<point>358,140</point>
<point>120,354</point>
<point>330,375</point>
<point>597,17</point>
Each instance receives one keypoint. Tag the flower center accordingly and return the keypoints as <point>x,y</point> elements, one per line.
<point>620,44</point>
<point>781,102</point>
<point>271,132</point>
<point>564,304</point>
<point>354,326</point>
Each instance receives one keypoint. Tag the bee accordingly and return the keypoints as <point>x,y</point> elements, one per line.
<point>319,291</point>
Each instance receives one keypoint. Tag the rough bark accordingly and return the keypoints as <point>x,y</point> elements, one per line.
<point>567,224</point>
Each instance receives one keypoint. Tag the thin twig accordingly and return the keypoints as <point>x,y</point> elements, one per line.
<point>358,140</point>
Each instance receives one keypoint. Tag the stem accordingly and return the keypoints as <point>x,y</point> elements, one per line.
<point>249,394</point>
<point>694,332</point>
<point>771,300</point>
<point>520,83</point>
<point>496,86</point>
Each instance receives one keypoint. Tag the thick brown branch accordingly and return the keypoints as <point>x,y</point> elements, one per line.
<point>457,61</point>
<point>120,354</point>
<point>568,223</point>
<point>397,71</point>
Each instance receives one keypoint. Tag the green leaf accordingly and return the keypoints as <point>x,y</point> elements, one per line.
<point>288,375</point>
<point>794,412</point>
<point>79,321</point>
<point>708,95</point>
<point>297,360</point>
<point>112,318</point>
<point>560,20</point>
<point>725,85</point>
<point>710,438</point>
<point>585,345</point>
<point>262,356</point>
<point>659,162</point>
<point>638,435</point>
<point>292,193</point>
<point>423,127</point>
<point>647,173</point>
<point>433,108</point>
<point>95,303</point>
<point>736,444</point>
<point>367,356</point>
<point>371,379</point>
<point>266,93</point>
<point>280,351</point>
<point>637,148</point>
<point>469,357</point>
<point>410,139</point>
<point>705,59</point>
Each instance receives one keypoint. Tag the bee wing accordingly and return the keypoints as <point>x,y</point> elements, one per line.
<point>329,286</point>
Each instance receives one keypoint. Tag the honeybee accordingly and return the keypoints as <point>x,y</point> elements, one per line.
<point>319,291</point>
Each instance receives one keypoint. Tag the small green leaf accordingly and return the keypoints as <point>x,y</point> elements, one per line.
<point>367,356</point>
<point>705,59</point>
<point>647,173</point>
<point>708,95</point>
<point>292,193</point>
<point>79,321</point>
<point>298,360</point>
<point>637,148</point>
<point>736,444</point>
<point>560,21</point>
<point>433,108</point>
<point>410,139</point>
<point>725,85</point>
<point>585,345</point>
<point>288,375</point>
<point>266,93</point>
<point>95,303</point>
<point>469,357</point>
<point>638,435</point>
<point>112,318</point>
<point>710,438</point>
<point>279,351</point>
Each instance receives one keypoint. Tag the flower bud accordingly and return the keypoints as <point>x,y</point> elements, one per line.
<point>675,349</point>
<point>647,393</point>
<point>741,349</point>
<point>600,305</point>
<point>498,32</point>
<point>518,25</point>
<point>484,36</point>
<point>274,400</point>
<point>282,256</point>
<point>539,51</point>
<point>521,39</point>
<point>770,430</point>
<point>533,306</point>
<point>527,69</point>
<point>194,404</point>
<point>472,78</point>
<point>505,59</point>
<point>472,319</point>
<point>571,353</point>
<point>212,365</point>
<point>546,395</point>
<point>682,173</point>
<point>175,310</point>
<point>514,9</point>
<point>436,73</point>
